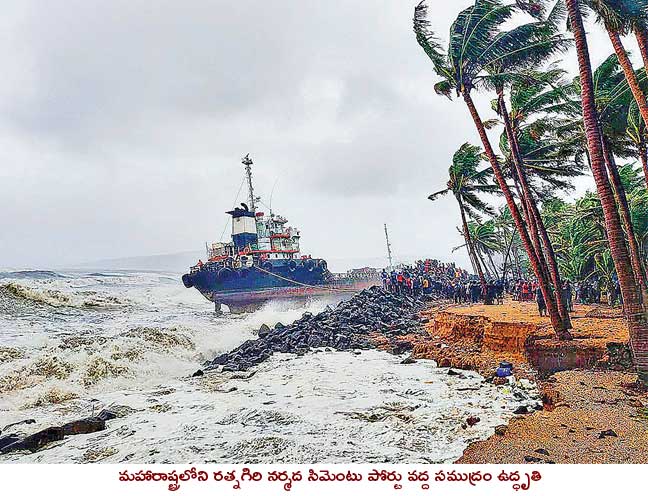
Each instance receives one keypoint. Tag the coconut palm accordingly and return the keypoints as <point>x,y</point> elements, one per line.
<point>632,297</point>
<point>639,24</point>
<point>616,16</point>
<point>637,132</point>
<point>466,183</point>
<point>475,46</point>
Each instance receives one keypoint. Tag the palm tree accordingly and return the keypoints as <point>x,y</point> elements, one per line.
<point>507,237</point>
<point>635,314</point>
<point>466,182</point>
<point>616,16</point>
<point>636,130</point>
<point>475,46</point>
<point>613,100</point>
<point>638,23</point>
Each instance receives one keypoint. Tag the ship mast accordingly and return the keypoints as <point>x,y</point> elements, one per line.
<point>389,253</point>
<point>247,161</point>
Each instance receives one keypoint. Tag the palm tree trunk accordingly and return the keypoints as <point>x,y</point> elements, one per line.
<point>642,41</point>
<point>490,259</point>
<point>628,71</point>
<point>556,322</point>
<point>635,315</point>
<point>507,256</point>
<point>470,246</point>
<point>643,155</point>
<point>624,209</point>
<point>549,255</point>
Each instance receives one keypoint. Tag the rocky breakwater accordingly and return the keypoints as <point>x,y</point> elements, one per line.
<point>372,318</point>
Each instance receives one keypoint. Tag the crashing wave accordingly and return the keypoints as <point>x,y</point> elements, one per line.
<point>165,337</point>
<point>99,369</point>
<point>8,354</point>
<point>54,298</point>
<point>52,396</point>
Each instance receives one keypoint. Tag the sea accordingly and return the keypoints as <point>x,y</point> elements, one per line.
<point>73,343</point>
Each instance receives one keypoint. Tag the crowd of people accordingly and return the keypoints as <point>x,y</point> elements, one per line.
<point>455,284</point>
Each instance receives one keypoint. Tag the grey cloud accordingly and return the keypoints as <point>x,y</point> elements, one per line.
<point>122,124</point>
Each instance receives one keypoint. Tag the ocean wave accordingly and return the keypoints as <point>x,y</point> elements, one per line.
<point>106,274</point>
<point>7,354</point>
<point>52,396</point>
<point>31,274</point>
<point>56,298</point>
<point>99,369</point>
<point>165,337</point>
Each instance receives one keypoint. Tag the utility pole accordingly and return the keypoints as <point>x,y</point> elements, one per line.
<point>389,253</point>
<point>247,161</point>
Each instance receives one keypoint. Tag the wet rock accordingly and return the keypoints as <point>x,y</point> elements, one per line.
<point>8,439</point>
<point>348,326</point>
<point>608,433</point>
<point>84,426</point>
<point>106,415</point>
<point>264,330</point>
<point>35,441</point>
<point>472,420</point>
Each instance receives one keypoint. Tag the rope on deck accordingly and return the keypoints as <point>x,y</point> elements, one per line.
<point>328,288</point>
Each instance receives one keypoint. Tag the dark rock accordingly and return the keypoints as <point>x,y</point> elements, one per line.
<point>264,330</point>
<point>106,415</point>
<point>521,410</point>
<point>453,372</point>
<point>346,327</point>
<point>472,420</point>
<point>608,433</point>
<point>198,373</point>
<point>532,459</point>
<point>542,451</point>
<point>408,360</point>
<point>84,426</point>
<point>8,439</point>
<point>36,441</point>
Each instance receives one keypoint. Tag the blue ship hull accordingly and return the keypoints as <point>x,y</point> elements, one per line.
<point>248,287</point>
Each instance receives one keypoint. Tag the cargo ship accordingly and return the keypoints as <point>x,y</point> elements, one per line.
<point>263,262</point>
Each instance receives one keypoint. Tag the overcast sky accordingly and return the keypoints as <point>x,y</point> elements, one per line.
<point>122,125</point>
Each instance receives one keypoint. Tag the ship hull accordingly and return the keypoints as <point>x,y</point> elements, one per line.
<point>245,293</point>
